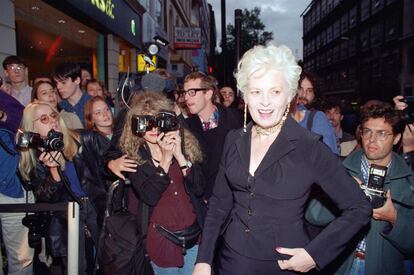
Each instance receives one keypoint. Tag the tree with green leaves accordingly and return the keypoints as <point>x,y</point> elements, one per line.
<point>252,33</point>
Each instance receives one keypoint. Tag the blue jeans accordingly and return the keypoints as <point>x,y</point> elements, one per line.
<point>187,269</point>
<point>358,267</point>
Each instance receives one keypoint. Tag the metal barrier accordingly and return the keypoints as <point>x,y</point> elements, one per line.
<point>73,224</point>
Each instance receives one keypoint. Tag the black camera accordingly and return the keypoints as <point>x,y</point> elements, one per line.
<point>165,121</point>
<point>53,141</point>
<point>374,190</point>
<point>408,113</point>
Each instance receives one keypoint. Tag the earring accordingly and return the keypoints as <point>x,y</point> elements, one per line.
<point>286,113</point>
<point>245,118</point>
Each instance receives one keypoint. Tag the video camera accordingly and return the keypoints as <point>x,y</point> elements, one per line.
<point>374,190</point>
<point>53,141</point>
<point>165,121</point>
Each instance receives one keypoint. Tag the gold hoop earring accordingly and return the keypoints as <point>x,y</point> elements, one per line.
<point>245,118</point>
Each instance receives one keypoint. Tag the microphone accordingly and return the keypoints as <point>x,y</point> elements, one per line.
<point>153,82</point>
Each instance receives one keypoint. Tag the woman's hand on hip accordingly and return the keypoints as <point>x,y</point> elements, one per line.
<point>300,261</point>
<point>202,269</point>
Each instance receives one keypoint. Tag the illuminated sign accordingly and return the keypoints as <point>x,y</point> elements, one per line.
<point>115,16</point>
<point>142,64</point>
<point>106,6</point>
<point>133,27</point>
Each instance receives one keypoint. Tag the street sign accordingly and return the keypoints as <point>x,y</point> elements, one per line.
<point>141,63</point>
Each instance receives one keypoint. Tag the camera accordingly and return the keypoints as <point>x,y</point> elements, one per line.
<point>408,113</point>
<point>165,121</point>
<point>53,141</point>
<point>38,224</point>
<point>374,190</point>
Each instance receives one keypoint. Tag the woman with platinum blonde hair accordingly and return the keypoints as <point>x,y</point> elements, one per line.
<point>265,178</point>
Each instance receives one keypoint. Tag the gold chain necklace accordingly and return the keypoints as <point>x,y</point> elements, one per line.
<point>268,131</point>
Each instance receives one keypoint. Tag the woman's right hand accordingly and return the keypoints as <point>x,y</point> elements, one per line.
<point>202,269</point>
<point>122,164</point>
<point>50,159</point>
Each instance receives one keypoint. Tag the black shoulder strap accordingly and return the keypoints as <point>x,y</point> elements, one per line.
<point>309,123</point>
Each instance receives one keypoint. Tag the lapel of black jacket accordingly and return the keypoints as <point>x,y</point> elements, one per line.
<point>243,146</point>
<point>280,147</point>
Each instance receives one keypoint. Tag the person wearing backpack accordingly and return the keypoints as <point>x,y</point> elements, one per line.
<point>168,180</point>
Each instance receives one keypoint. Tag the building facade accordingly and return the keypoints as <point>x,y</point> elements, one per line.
<point>105,37</point>
<point>359,47</point>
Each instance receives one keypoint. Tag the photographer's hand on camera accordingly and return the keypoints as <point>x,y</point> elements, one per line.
<point>387,212</point>
<point>399,104</point>
<point>167,146</point>
<point>50,160</point>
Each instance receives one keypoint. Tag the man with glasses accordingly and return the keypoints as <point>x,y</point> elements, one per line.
<point>209,122</point>
<point>387,241</point>
<point>16,70</point>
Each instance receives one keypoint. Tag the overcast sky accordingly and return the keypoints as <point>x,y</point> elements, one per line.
<point>282,17</point>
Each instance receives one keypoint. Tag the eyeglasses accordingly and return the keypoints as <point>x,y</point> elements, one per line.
<point>45,119</point>
<point>192,92</point>
<point>15,67</point>
<point>380,135</point>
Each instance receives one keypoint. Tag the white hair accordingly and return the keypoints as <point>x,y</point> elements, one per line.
<point>268,57</point>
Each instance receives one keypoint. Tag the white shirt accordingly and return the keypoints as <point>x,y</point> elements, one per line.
<point>24,96</point>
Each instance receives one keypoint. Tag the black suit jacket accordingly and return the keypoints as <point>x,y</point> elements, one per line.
<point>261,212</point>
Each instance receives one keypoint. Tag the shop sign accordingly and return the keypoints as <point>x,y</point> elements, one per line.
<point>116,16</point>
<point>105,6</point>
<point>142,64</point>
<point>187,38</point>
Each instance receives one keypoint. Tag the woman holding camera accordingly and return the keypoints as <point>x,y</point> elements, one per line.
<point>168,179</point>
<point>64,174</point>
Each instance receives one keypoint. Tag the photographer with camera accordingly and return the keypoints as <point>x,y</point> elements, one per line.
<point>388,183</point>
<point>406,105</point>
<point>15,235</point>
<point>168,179</point>
<point>63,165</point>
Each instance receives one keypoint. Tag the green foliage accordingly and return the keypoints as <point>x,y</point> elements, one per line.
<point>252,33</point>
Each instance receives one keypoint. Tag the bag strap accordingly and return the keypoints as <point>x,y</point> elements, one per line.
<point>309,123</point>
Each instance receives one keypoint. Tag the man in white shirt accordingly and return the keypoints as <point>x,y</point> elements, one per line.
<point>15,69</point>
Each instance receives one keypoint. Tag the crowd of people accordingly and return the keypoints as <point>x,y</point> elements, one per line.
<point>262,179</point>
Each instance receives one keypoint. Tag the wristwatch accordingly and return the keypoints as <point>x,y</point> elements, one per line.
<point>188,165</point>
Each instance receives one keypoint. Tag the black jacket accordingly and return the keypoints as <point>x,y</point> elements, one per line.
<point>266,210</point>
<point>212,141</point>
<point>88,163</point>
<point>149,186</point>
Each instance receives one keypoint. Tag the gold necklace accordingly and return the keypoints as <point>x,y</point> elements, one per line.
<point>268,131</point>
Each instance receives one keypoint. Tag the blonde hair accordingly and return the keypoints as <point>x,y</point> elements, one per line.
<point>268,57</point>
<point>29,157</point>
<point>152,103</point>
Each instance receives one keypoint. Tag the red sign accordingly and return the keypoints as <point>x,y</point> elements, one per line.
<point>187,38</point>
